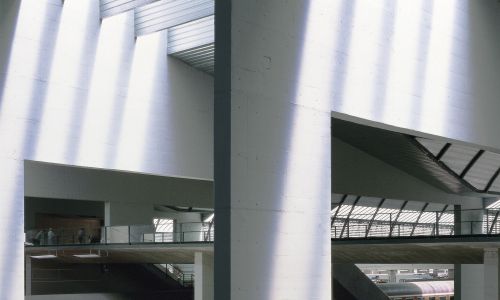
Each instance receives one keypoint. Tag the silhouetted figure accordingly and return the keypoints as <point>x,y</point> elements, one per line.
<point>51,237</point>
<point>37,240</point>
<point>81,235</point>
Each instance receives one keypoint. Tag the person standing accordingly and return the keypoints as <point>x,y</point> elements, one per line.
<point>81,235</point>
<point>38,239</point>
<point>51,237</point>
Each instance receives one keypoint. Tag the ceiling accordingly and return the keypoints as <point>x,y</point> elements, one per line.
<point>189,25</point>
<point>401,151</point>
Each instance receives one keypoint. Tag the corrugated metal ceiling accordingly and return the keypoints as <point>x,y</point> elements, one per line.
<point>190,26</point>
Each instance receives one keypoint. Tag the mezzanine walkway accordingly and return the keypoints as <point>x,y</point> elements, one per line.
<point>449,250</point>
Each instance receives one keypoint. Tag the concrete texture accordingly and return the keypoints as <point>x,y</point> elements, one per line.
<point>67,182</point>
<point>491,273</point>
<point>472,282</point>
<point>138,253</point>
<point>466,250</point>
<point>356,283</point>
<point>422,66</point>
<point>78,91</point>
<point>272,155</point>
<point>204,276</point>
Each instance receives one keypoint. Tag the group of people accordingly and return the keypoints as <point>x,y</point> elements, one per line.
<point>49,237</point>
<point>45,238</point>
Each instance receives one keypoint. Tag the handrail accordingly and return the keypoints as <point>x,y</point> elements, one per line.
<point>120,234</point>
<point>343,226</point>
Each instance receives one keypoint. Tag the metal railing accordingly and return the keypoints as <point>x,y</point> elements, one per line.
<point>409,223</point>
<point>388,225</point>
<point>356,229</point>
<point>184,278</point>
<point>126,234</point>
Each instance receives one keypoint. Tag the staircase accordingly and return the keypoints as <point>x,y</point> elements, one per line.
<point>183,274</point>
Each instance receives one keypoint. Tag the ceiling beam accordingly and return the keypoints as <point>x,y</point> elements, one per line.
<point>471,163</point>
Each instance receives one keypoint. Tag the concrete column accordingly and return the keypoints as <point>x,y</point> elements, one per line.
<point>392,275</point>
<point>27,273</point>
<point>457,219</point>
<point>203,276</point>
<point>468,278</point>
<point>451,273</point>
<point>469,284</point>
<point>471,217</point>
<point>491,287</point>
<point>435,273</point>
<point>272,173</point>
<point>472,222</point>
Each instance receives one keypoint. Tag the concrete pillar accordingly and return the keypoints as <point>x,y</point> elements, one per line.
<point>471,217</point>
<point>491,288</point>
<point>469,282</point>
<point>27,273</point>
<point>272,172</point>
<point>451,273</point>
<point>434,273</point>
<point>468,278</point>
<point>203,276</point>
<point>472,222</point>
<point>392,275</point>
<point>457,219</point>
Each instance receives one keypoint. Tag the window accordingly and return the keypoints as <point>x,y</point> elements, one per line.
<point>164,230</point>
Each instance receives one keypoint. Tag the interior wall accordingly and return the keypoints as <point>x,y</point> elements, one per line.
<point>66,182</point>
<point>83,91</point>
<point>117,213</point>
<point>35,206</point>
<point>428,66</point>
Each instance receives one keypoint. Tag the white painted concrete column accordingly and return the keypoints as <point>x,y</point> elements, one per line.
<point>469,284</point>
<point>469,278</point>
<point>392,275</point>
<point>471,217</point>
<point>203,276</point>
<point>451,273</point>
<point>273,150</point>
<point>491,287</point>
<point>472,222</point>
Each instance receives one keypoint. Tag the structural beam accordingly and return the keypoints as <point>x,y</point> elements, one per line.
<point>436,229</point>
<point>418,218</point>
<point>495,219</point>
<point>492,180</point>
<point>471,163</point>
<point>338,209</point>
<point>374,216</point>
<point>346,221</point>
<point>443,151</point>
<point>397,217</point>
